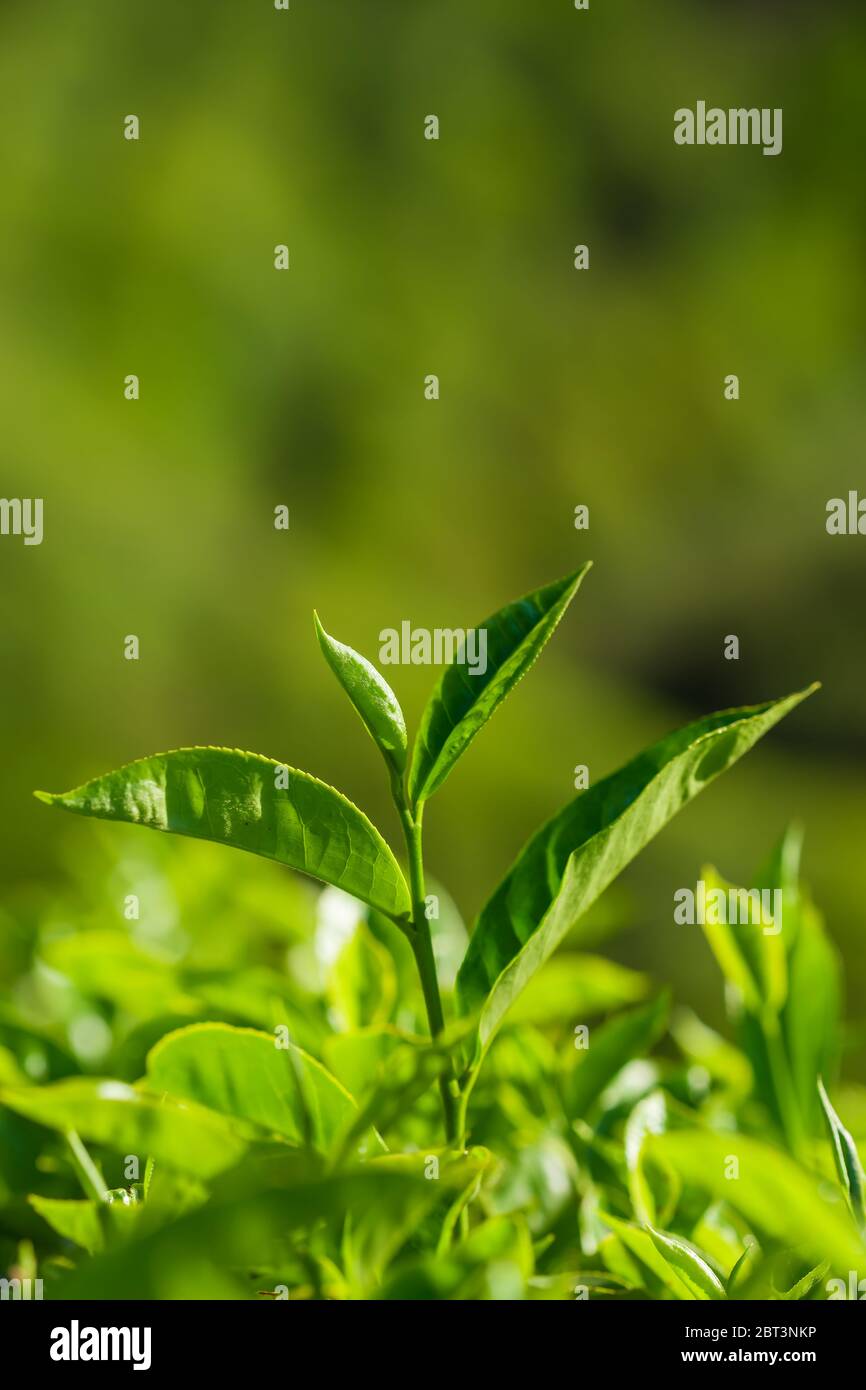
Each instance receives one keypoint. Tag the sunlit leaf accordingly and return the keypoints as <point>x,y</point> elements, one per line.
<point>778,1198</point>
<point>371,696</point>
<point>130,1121</point>
<point>240,799</point>
<point>462,702</point>
<point>611,1046</point>
<point>847,1160</point>
<point>573,858</point>
<point>241,1072</point>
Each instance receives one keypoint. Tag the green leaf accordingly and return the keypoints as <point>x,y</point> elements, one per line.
<point>371,695</point>
<point>572,859</point>
<point>129,1121</point>
<point>242,1072</point>
<point>574,986</point>
<point>724,1237</point>
<point>362,982</point>
<point>203,1254</point>
<point>810,1281</point>
<point>640,1245</point>
<point>649,1116</point>
<point>744,1268</point>
<point>751,955</point>
<point>725,1064</point>
<point>847,1160</point>
<point>610,1047</point>
<point>779,1199</point>
<point>109,965</point>
<point>357,1058</point>
<point>810,1020</point>
<point>698,1277</point>
<point>233,798</point>
<point>494,1262</point>
<point>77,1221</point>
<point>462,703</point>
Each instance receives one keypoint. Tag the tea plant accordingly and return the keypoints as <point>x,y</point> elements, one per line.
<point>592,1172</point>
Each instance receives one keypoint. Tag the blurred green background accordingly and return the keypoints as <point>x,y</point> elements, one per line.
<point>411,257</point>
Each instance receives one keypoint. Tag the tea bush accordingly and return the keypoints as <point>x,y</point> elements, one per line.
<point>225,1084</point>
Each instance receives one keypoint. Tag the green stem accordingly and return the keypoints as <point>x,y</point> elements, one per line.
<point>88,1174</point>
<point>422,945</point>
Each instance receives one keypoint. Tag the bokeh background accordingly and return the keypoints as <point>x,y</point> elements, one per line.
<point>305,388</point>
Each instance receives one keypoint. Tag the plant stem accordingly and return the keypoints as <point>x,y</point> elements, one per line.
<point>422,945</point>
<point>88,1174</point>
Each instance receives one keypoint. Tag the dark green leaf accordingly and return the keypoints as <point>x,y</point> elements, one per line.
<point>462,702</point>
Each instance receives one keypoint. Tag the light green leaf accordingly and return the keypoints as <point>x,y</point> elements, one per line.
<point>371,695</point>
<point>699,1278</point>
<point>724,1237</point>
<point>639,1244</point>
<point>779,1199</point>
<point>811,1012</point>
<point>809,1281</point>
<point>751,953</point>
<point>129,1121</point>
<point>810,1020</point>
<point>238,799</point>
<point>362,982</point>
<point>357,1058</point>
<point>571,860</point>
<point>726,1064</point>
<point>847,1160</point>
<point>649,1116</point>
<point>462,703</point>
<point>575,986</point>
<point>744,1268</point>
<point>611,1046</point>
<point>109,965</point>
<point>242,1072</point>
<point>77,1221</point>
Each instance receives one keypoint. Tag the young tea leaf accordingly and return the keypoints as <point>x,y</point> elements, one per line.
<point>699,1278</point>
<point>847,1159</point>
<point>252,803</point>
<point>573,858</point>
<point>462,702</point>
<point>371,695</point>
